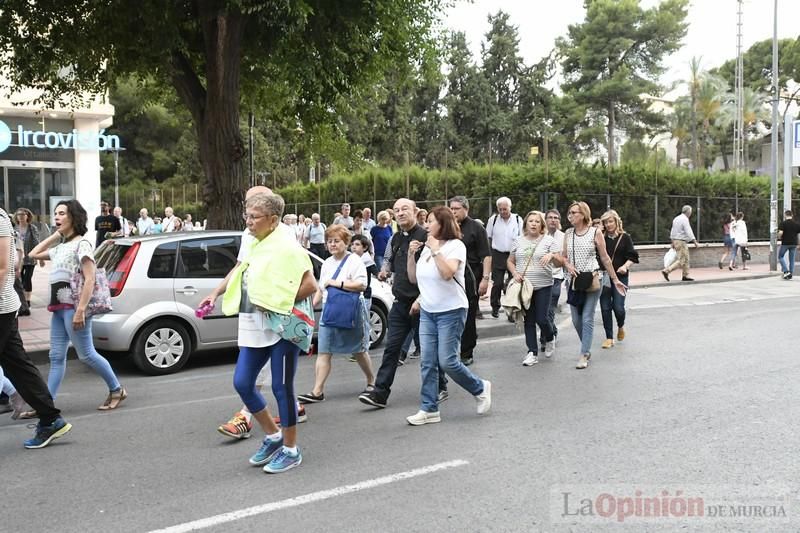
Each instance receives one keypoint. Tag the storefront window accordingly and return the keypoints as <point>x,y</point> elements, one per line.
<point>25,189</point>
<point>59,184</point>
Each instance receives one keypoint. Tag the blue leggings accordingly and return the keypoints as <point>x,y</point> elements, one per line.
<point>283,356</point>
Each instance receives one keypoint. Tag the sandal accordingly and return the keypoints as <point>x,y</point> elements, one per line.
<point>27,415</point>
<point>114,399</point>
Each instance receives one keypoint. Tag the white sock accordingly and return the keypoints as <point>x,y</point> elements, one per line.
<point>290,450</point>
<point>275,436</point>
<point>247,414</point>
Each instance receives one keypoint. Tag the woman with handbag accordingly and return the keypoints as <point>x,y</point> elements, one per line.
<point>739,233</point>
<point>72,256</point>
<point>29,235</point>
<point>442,305</point>
<point>536,255</point>
<point>344,277</point>
<point>583,244</point>
<point>623,255</point>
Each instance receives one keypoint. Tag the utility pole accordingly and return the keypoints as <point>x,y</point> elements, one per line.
<point>251,120</point>
<point>739,164</point>
<point>773,192</point>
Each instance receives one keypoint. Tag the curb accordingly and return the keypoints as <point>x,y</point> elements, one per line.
<point>702,281</point>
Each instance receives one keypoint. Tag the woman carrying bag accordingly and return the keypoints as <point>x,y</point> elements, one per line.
<point>583,244</point>
<point>70,253</point>
<point>623,255</point>
<point>344,275</point>
<point>536,253</point>
<point>29,235</point>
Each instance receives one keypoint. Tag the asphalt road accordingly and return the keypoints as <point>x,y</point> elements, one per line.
<point>699,398</point>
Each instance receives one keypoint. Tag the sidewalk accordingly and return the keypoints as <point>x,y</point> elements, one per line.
<point>35,329</point>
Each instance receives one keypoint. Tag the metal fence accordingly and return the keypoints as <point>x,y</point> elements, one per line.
<point>648,218</point>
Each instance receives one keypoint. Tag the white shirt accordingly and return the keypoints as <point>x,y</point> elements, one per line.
<point>681,229</point>
<point>144,226</point>
<point>368,224</point>
<point>126,228</point>
<point>353,269</point>
<point>437,294</point>
<point>558,235</point>
<point>502,233</point>
<point>9,301</point>
<point>168,224</point>
<point>739,232</point>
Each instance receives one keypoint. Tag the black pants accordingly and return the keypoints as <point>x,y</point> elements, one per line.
<point>401,323</point>
<point>27,277</point>
<point>21,371</point>
<point>319,250</point>
<point>499,271</point>
<point>19,289</point>
<point>469,339</point>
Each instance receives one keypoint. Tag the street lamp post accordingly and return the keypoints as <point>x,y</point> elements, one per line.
<point>773,192</point>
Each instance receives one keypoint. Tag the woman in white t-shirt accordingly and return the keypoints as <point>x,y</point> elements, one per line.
<point>351,276</point>
<point>69,252</point>
<point>442,305</point>
<point>533,257</point>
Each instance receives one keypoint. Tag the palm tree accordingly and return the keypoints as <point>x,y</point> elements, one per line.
<point>711,94</point>
<point>755,109</point>
<point>680,125</point>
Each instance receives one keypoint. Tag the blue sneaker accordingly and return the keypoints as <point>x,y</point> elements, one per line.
<point>47,434</point>
<point>267,450</point>
<point>283,461</point>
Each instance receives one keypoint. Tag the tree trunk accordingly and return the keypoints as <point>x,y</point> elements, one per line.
<point>612,155</point>
<point>695,155</point>
<point>678,153</point>
<point>215,110</point>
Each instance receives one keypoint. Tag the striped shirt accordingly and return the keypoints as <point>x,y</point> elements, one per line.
<point>539,276</point>
<point>9,301</point>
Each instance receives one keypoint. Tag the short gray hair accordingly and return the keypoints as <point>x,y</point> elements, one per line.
<point>460,200</point>
<point>686,209</point>
<point>503,200</point>
<point>269,204</point>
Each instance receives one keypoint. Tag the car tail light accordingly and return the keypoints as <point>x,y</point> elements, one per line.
<point>117,278</point>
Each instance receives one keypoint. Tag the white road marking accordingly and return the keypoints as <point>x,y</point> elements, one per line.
<point>232,516</point>
<point>728,300</point>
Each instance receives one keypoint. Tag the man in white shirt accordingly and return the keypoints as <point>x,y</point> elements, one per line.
<point>553,221</point>
<point>168,222</point>
<point>315,235</point>
<point>125,227</point>
<point>369,222</point>
<point>188,225</point>
<point>681,234</point>
<point>144,226</point>
<point>502,229</point>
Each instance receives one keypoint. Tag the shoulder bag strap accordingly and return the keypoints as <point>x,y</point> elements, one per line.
<point>528,262</point>
<point>341,264</point>
<point>619,239</point>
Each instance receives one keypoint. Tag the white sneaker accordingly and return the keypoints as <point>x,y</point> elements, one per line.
<point>484,399</point>
<point>422,418</point>
<point>550,348</point>
<point>530,359</point>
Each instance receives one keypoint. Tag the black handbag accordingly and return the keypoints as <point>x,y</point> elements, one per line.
<point>745,254</point>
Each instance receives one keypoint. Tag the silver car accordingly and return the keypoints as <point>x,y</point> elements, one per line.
<point>158,281</point>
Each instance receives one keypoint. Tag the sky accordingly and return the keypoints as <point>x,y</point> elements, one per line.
<point>711,33</point>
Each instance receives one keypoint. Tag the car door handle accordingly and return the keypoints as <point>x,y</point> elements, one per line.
<point>186,290</point>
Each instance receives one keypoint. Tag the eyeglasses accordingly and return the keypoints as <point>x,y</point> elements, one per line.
<point>554,217</point>
<point>247,217</point>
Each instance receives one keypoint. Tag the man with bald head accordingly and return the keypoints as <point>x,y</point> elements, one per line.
<point>401,319</point>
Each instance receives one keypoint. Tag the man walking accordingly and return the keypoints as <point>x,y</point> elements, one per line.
<point>401,320</point>
<point>681,234</point>
<point>144,226</point>
<point>14,362</point>
<point>502,229</point>
<point>168,222</point>
<point>787,233</point>
<point>553,221</point>
<point>369,222</point>
<point>315,236</point>
<point>476,277</point>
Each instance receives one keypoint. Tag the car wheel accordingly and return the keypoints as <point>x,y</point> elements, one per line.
<point>377,325</point>
<point>162,347</point>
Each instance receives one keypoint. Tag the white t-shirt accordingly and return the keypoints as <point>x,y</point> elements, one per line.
<point>437,294</point>
<point>9,301</point>
<point>353,269</point>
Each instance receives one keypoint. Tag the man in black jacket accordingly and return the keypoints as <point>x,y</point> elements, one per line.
<point>401,320</point>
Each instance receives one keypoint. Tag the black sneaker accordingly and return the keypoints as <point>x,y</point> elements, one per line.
<point>687,278</point>
<point>414,354</point>
<point>47,434</point>
<point>665,274</point>
<point>495,313</point>
<point>372,398</point>
<point>310,397</point>
<point>402,359</point>
<point>467,360</point>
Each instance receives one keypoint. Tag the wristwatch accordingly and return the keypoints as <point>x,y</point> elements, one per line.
<point>435,253</point>
<point>486,278</point>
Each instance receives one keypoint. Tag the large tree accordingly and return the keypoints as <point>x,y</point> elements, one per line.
<point>616,55</point>
<point>219,56</point>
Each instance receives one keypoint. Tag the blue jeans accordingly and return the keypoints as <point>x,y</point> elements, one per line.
<point>555,295</point>
<point>537,314</point>
<point>791,249</point>
<point>379,261</point>
<point>583,320</point>
<point>282,357</point>
<point>612,300</point>
<point>440,335</point>
<point>61,333</point>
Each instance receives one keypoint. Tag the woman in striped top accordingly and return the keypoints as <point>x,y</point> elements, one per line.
<point>533,257</point>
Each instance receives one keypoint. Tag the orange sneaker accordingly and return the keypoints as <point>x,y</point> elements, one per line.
<point>301,415</point>
<point>237,427</point>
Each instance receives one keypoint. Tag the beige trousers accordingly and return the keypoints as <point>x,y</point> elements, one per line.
<point>683,257</point>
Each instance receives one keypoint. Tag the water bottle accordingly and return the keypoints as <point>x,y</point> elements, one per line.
<point>203,310</point>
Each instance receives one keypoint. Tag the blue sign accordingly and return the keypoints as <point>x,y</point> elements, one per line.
<point>73,140</point>
<point>797,134</point>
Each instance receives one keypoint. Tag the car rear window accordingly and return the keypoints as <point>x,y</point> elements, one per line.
<point>162,264</point>
<point>110,254</point>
